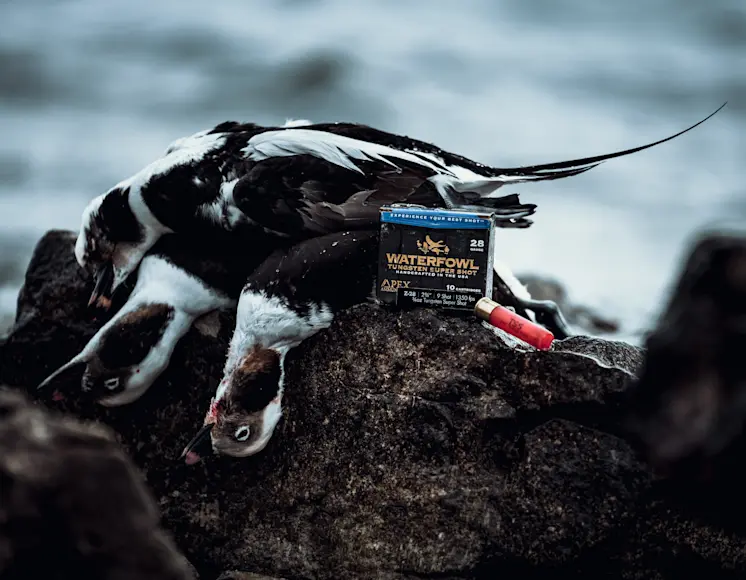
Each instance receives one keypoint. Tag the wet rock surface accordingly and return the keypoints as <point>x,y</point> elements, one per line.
<point>414,445</point>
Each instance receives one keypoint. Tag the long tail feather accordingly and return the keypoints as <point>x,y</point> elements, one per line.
<point>459,192</point>
<point>533,169</point>
<point>488,186</point>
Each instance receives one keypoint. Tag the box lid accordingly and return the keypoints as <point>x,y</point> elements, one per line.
<point>436,217</point>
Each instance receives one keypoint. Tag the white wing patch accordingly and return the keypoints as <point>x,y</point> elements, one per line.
<point>342,151</point>
<point>333,148</point>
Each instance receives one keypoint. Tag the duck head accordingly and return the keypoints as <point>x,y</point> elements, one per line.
<point>125,356</point>
<point>111,243</point>
<point>245,410</point>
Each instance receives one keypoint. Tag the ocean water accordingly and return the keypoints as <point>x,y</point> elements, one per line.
<point>92,91</point>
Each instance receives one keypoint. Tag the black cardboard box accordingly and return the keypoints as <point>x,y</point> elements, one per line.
<point>435,257</point>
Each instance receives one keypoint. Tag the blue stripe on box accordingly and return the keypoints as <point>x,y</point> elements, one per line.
<point>436,218</point>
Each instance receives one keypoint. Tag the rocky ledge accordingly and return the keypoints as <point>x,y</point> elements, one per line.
<point>414,445</point>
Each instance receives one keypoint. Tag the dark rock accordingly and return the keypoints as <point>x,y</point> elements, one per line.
<point>592,477</point>
<point>414,445</point>
<point>233,575</point>
<point>689,405</point>
<point>72,505</point>
<point>691,397</point>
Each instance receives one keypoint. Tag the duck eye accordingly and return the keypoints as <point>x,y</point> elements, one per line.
<point>111,383</point>
<point>242,433</point>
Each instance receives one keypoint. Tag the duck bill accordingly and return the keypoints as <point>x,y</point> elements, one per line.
<point>61,375</point>
<point>101,296</point>
<point>199,446</point>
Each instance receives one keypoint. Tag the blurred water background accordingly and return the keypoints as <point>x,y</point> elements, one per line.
<point>91,91</point>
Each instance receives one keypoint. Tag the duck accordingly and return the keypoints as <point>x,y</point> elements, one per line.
<point>293,182</point>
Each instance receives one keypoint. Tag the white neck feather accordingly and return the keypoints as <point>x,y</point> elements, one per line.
<point>159,281</point>
<point>267,322</point>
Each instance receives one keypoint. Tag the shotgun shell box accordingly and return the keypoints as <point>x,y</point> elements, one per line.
<point>434,257</point>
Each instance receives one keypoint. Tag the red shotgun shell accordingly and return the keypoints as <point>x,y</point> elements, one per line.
<point>515,325</point>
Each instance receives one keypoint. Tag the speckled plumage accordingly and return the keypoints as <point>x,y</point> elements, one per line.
<point>292,182</point>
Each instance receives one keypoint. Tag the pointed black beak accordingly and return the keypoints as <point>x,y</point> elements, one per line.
<point>199,446</point>
<point>63,374</point>
<point>101,296</point>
